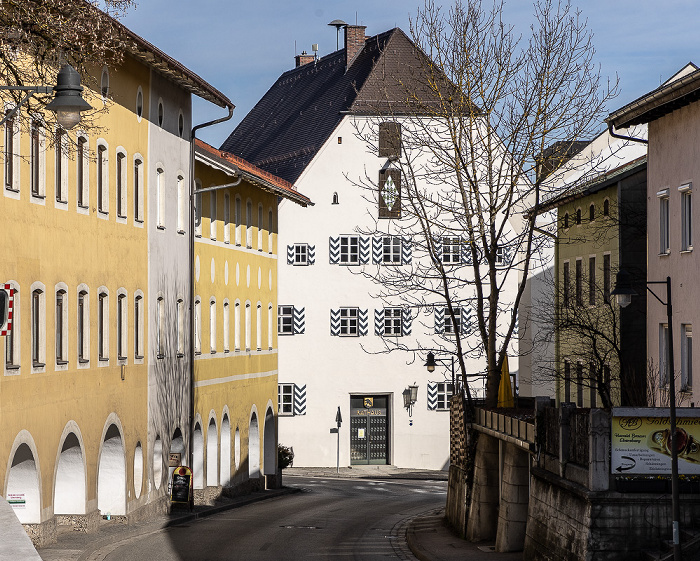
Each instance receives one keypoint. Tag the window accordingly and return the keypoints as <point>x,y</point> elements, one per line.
<point>12,343</point>
<point>567,381</point>
<point>578,216</point>
<point>227,218</point>
<point>38,328</point>
<point>160,321</point>
<point>285,399</point>
<point>212,326</point>
<point>566,221</point>
<point>591,213</point>
<point>270,218</point>
<point>237,326</point>
<point>260,227</point>
<point>83,327</point>
<point>198,212</point>
<point>591,281</point>
<point>36,166</point>
<point>138,190</point>
<point>226,327</point>
<point>606,278</point>
<point>285,320</point>
<point>82,168</point>
<point>686,217</point>
<point>9,152</point>
<point>122,335</point>
<point>606,207</point>
<point>249,225</point>
<point>390,140</point>
<point>61,328</point>
<point>248,325</point>
<point>237,218</point>
<point>579,282</point>
<point>121,185</point>
<point>664,233</point>
<point>350,250</point>
<point>102,179</point>
<point>391,253</point>
<point>160,199</point>
<point>393,322</point>
<point>103,326</point>
<point>180,328</point>
<point>452,327</point>
<point>161,113</point>
<point>444,395</point>
<point>390,193</point>
<point>181,204</point>
<point>104,83</point>
<point>592,384</point>
<point>180,124</point>
<point>301,254</point>
<point>212,215</point>
<point>270,323</point>
<point>139,103</point>
<point>138,326</point>
<point>451,249</point>
<point>579,384</point>
<point>663,354</point>
<point>258,327</point>
<point>334,199</point>
<point>500,256</point>
<point>348,322</point>
<point>567,283</point>
<point>197,326</point>
<point>686,357</point>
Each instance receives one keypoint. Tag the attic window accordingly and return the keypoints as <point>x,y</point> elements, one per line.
<point>161,114</point>
<point>181,123</point>
<point>104,83</point>
<point>578,216</point>
<point>390,140</point>
<point>566,221</point>
<point>139,103</point>
<point>591,213</point>
<point>335,198</point>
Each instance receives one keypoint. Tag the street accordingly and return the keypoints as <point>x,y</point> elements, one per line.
<point>328,519</point>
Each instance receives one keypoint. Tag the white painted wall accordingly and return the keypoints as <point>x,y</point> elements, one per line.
<point>225,468</point>
<point>69,493</point>
<point>23,482</point>
<point>111,476</point>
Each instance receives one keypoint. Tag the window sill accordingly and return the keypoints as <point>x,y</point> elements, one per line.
<point>284,334</point>
<point>160,227</point>
<point>227,242</point>
<point>12,367</point>
<point>61,202</point>
<point>103,359</point>
<point>103,212</point>
<point>689,249</point>
<point>181,232</point>
<point>138,357</point>
<point>84,207</point>
<point>83,361</point>
<point>180,355</point>
<point>212,238</point>
<point>300,264</point>
<point>122,216</point>
<point>11,189</point>
<point>61,362</point>
<point>121,357</point>
<point>38,365</point>
<point>197,353</point>
<point>38,196</point>
<point>665,253</point>
<point>213,352</point>
<point>160,356</point>
<point>138,220</point>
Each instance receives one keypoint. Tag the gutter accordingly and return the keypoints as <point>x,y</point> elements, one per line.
<point>193,136</point>
<point>611,126</point>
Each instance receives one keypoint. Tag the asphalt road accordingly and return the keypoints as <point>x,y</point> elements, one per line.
<point>329,519</point>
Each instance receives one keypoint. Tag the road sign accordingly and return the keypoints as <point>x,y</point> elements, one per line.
<point>338,417</point>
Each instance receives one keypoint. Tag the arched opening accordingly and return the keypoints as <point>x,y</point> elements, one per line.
<point>23,485</point>
<point>253,448</point>
<point>138,469</point>
<point>157,462</point>
<point>198,457</point>
<point>212,450</point>
<point>111,474</point>
<point>225,468</point>
<point>269,445</point>
<point>69,490</point>
<point>237,448</point>
<point>177,446</point>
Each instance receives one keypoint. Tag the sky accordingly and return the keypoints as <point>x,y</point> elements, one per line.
<point>242,47</point>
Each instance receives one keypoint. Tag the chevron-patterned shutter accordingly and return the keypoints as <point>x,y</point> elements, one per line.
<point>507,256</point>
<point>439,319</point>
<point>406,250</point>
<point>299,399</point>
<point>290,255</point>
<point>362,323</point>
<point>299,321</point>
<point>334,250</point>
<point>365,249</point>
<point>437,243</point>
<point>379,322</point>
<point>432,396</point>
<point>407,320</point>
<point>311,254</point>
<point>377,249</point>
<point>335,322</point>
<point>465,320</point>
<point>465,252</point>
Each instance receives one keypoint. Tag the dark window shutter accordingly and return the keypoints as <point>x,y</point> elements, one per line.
<point>299,321</point>
<point>432,396</point>
<point>379,322</point>
<point>390,140</point>
<point>439,319</point>
<point>299,399</point>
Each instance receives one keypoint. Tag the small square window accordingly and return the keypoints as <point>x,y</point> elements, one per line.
<point>444,395</point>
<point>393,322</point>
<point>349,250</point>
<point>348,322</point>
<point>391,254</point>
<point>285,399</point>
<point>301,254</point>
<point>451,247</point>
<point>285,320</point>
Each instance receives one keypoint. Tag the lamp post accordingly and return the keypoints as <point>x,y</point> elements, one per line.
<point>623,293</point>
<point>410,396</point>
<point>430,365</point>
<point>67,103</point>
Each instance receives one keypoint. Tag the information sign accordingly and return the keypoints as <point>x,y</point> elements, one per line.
<point>641,441</point>
<point>181,486</point>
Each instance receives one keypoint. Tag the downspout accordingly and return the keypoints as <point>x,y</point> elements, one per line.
<point>622,137</point>
<point>193,136</point>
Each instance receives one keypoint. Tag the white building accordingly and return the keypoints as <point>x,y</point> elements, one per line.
<point>311,128</point>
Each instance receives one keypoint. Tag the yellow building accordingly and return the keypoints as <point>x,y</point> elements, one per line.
<point>235,321</point>
<point>87,418</point>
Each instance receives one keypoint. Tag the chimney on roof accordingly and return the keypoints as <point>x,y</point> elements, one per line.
<point>354,41</point>
<point>303,59</point>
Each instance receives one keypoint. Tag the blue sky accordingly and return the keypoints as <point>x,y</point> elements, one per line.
<point>242,47</point>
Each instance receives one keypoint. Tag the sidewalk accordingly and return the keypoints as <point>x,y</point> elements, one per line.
<point>368,472</point>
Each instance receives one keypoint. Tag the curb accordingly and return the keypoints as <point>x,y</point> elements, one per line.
<point>411,539</point>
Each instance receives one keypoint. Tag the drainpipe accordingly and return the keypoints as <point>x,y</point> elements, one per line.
<point>193,136</point>
<point>615,135</point>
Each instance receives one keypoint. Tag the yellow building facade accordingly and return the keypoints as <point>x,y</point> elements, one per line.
<point>76,394</point>
<point>235,321</point>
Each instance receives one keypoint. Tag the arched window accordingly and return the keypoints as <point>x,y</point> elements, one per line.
<point>160,328</point>
<point>260,227</point>
<point>335,198</point>
<point>212,325</point>
<point>237,218</point>
<point>237,326</point>
<point>249,224</point>
<point>578,216</point>
<point>258,327</point>
<point>248,326</point>
<point>197,325</point>
<point>606,207</point>
<point>227,218</point>
<point>566,220</point>
<point>591,213</point>
<point>226,326</point>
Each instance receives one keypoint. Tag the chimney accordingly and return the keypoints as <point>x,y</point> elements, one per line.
<point>354,41</point>
<point>303,59</point>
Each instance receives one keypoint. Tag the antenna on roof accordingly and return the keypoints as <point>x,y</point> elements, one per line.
<point>337,23</point>
<point>314,48</point>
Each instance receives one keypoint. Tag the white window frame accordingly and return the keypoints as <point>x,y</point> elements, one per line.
<point>83,325</point>
<point>392,247</point>
<point>103,325</point>
<point>37,160</point>
<point>686,357</point>
<point>61,168</point>
<point>122,325</point>
<point>393,322</point>
<point>197,325</point>
<point>61,322</point>
<point>11,151</point>
<point>38,323</point>
<point>181,203</point>
<point>237,326</point>
<point>102,155</point>
<point>160,197</point>
<point>664,223</point>
<point>160,327</point>
<point>285,320</point>
<point>120,183</point>
<point>227,218</point>
<point>139,343</point>
<point>197,209</point>
<point>249,224</point>
<point>270,223</point>
<point>258,326</point>
<point>663,355</point>
<point>349,322</point>
<point>139,188</point>
<point>301,254</point>
<point>451,250</point>
<point>349,250</point>
<point>212,325</point>
<point>180,306</point>
<point>270,323</point>
<point>285,400</point>
<point>248,326</point>
<point>237,219</point>
<point>226,319</point>
<point>449,326</point>
<point>686,192</point>
<point>212,215</point>
<point>12,339</point>
<point>445,391</point>
<point>260,227</point>
<point>82,177</point>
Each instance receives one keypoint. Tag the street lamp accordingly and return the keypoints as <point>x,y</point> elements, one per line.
<point>67,103</point>
<point>410,396</point>
<point>430,364</point>
<point>623,294</point>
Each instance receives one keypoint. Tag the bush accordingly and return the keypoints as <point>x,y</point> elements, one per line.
<point>285,456</point>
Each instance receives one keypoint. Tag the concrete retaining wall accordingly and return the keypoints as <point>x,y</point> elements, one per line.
<point>456,506</point>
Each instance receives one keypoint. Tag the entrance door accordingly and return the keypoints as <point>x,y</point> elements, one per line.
<point>369,430</point>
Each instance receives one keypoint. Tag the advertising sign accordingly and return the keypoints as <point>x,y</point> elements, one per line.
<point>181,485</point>
<point>641,441</point>
<point>16,500</point>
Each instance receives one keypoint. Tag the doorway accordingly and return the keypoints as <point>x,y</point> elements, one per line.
<point>369,429</point>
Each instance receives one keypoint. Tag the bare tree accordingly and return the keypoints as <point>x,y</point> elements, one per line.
<point>479,105</point>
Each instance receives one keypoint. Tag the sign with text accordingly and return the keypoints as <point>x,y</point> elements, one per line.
<point>641,441</point>
<point>16,500</point>
<point>181,485</point>
<point>174,459</point>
